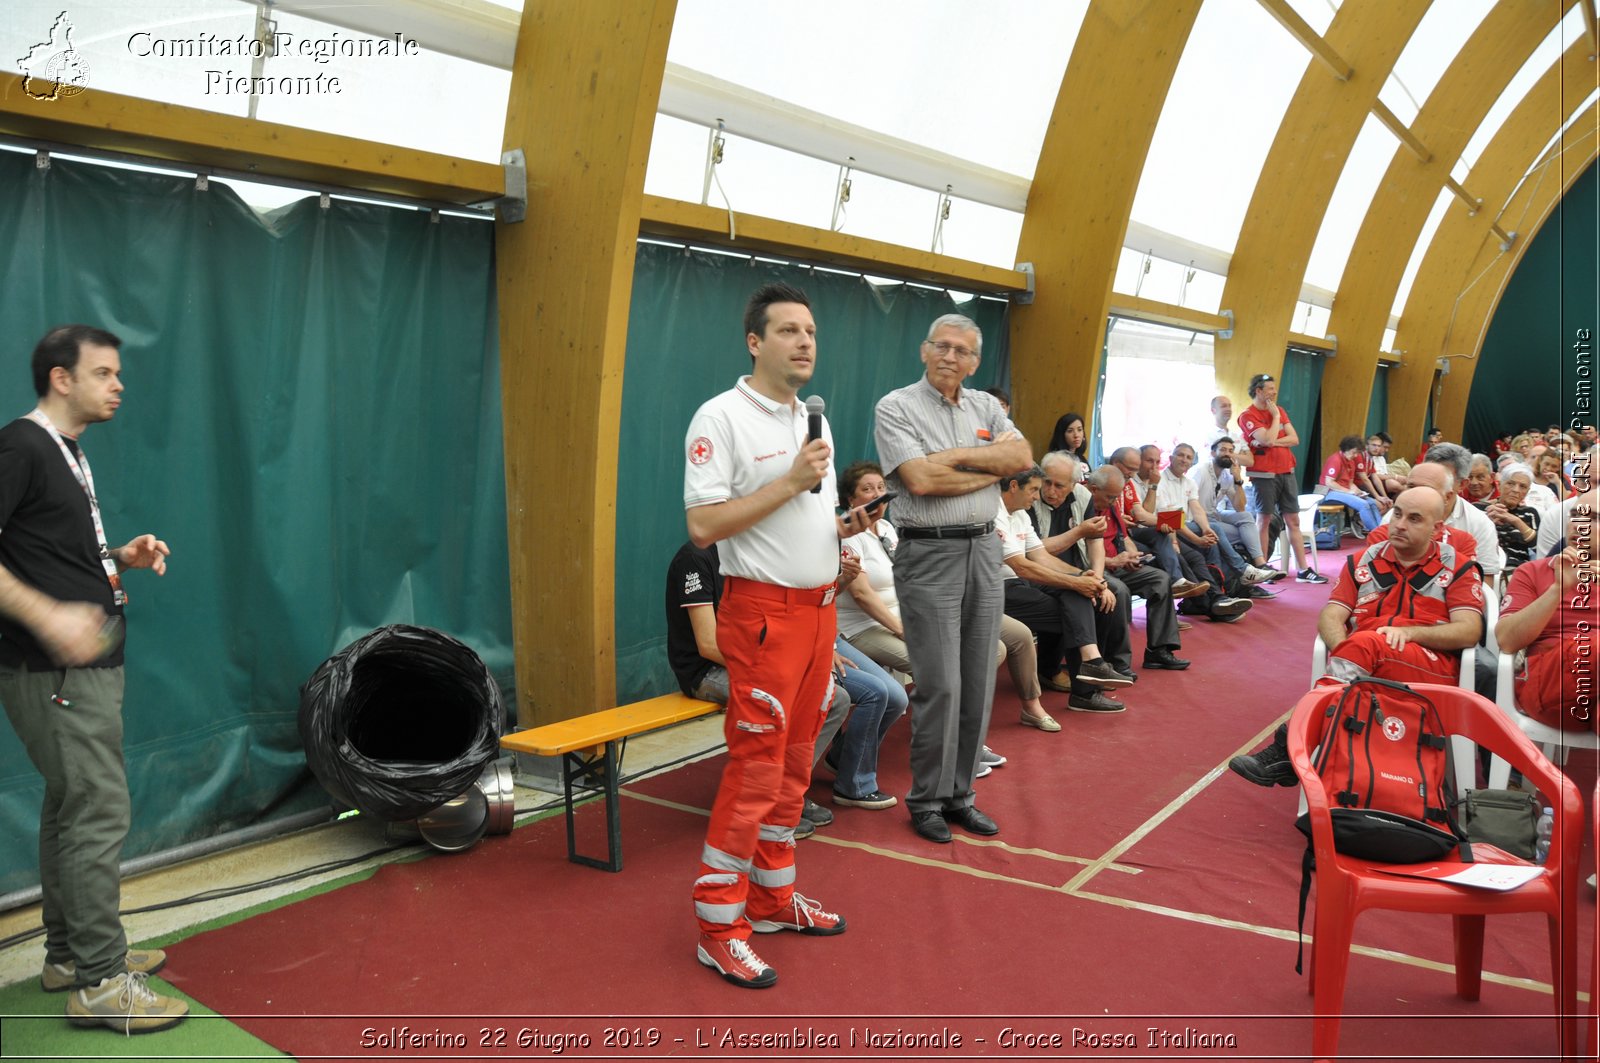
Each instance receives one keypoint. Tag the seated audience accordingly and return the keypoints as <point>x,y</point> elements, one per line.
<point>1204,550</point>
<point>1549,611</point>
<point>1054,599</point>
<point>1389,483</point>
<point>1483,485</point>
<point>1516,522</point>
<point>1340,473</point>
<point>1446,467</point>
<point>1125,572</point>
<point>1549,475</point>
<point>1435,437</point>
<point>1137,505</point>
<point>1403,608</point>
<point>1070,436</point>
<point>1220,489</point>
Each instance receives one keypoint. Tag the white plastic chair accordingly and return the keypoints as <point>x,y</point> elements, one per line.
<point>1552,741</point>
<point>1308,533</point>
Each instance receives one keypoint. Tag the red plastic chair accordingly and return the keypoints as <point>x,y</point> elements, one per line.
<point>1345,886</point>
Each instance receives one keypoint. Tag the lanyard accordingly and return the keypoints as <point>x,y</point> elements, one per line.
<point>79,464</point>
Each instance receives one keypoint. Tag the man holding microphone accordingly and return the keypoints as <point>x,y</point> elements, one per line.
<point>756,485</point>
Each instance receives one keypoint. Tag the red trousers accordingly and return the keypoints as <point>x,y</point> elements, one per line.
<point>778,643</point>
<point>1369,653</point>
<point>1558,686</point>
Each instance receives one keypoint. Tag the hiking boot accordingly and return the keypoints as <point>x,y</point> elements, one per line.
<point>803,915</point>
<point>818,815</point>
<point>1099,673</point>
<point>1268,766</point>
<point>59,977</point>
<point>1310,575</point>
<point>125,1003</point>
<point>736,961</point>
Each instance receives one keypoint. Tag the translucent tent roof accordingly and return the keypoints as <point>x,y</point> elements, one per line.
<point>812,94</point>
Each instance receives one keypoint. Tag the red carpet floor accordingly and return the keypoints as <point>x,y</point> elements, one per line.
<point>1187,928</point>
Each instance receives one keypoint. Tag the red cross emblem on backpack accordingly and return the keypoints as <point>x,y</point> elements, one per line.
<point>1394,728</point>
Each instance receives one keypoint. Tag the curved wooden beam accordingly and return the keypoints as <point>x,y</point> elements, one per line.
<point>1445,279</point>
<point>1082,197</point>
<point>584,87</point>
<point>1297,181</point>
<point>1534,203</point>
<point>1497,49</point>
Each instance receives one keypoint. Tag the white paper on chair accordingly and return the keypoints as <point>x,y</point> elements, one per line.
<point>1501,877</point>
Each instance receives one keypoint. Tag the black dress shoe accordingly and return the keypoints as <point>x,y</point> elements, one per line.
<point>1163,658</point>
<point>971,819</point>
<point>1129,673</point>
<point>930,825</point>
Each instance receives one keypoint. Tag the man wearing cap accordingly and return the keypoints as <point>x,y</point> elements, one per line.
<point>945,448</point>
<point>1266,430</point>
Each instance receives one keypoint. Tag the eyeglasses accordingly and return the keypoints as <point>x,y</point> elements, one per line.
<point>945,347</point>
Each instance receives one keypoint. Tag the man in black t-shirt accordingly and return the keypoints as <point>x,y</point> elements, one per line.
<point>61,602</point>
<point>694,586</point>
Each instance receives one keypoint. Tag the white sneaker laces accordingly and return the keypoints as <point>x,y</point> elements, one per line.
<point>809,909</point>
<point>740,950</point>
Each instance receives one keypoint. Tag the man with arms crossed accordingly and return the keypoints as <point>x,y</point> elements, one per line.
<point>61,677</point>
<point>748,486</point>
<point>945,448</point>
<point>1264,426</point>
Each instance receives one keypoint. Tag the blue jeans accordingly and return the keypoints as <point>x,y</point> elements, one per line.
<point>879,702</point>
<point>1226,557</point>
<point>1157,542</point>
<point>1367,511</point>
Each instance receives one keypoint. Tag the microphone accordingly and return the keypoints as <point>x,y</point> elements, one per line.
<point>814,408</point>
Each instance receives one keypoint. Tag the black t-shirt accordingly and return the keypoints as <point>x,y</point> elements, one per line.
<point>693,578</point>
<point>47,536</point>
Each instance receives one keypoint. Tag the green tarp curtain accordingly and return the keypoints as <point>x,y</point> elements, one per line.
<point>312,421</point>
<point>1529,374</point>
<point>686,344</point>
<point>1378,405</point>
<point>1300,392</point>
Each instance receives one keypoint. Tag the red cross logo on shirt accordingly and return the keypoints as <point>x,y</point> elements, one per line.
<point>700,451</point>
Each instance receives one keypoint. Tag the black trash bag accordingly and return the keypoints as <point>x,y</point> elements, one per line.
<point>400,721</point>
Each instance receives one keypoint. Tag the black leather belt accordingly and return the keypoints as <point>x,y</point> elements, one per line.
<point>948,531</point>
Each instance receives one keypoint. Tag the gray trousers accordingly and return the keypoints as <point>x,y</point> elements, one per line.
<point>1160,622</point>
<point>77,747</point>
<point>951,603</point>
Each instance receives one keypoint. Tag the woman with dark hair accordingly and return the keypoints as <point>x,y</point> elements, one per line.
<point>1070,436</point>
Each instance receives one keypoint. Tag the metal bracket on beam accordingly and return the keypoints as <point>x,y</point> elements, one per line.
<point>1023,298</point>
<point>41,159</point>
<point>1225,333</point>
<point>1331,338</point>
<point>513,206</point>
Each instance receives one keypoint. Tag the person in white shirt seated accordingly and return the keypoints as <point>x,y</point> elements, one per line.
<point>1056,600</point>
<point>1176,492</point>
<point>1461,517</point>
<point>1220,488</point>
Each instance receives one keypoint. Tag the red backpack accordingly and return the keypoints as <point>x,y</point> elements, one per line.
<point>1385,763</point>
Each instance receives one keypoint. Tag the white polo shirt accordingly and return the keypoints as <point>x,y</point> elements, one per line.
<point>1176,492</point>
<point>738,443</point>
<point>1016,536</point>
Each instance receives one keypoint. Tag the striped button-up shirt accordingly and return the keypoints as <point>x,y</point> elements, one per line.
<point>917,421</point>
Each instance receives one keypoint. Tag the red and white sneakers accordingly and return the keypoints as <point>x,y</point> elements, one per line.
<point>804,915</point>
<point>737,962</point>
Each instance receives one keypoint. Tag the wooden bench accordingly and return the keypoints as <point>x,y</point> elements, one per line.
<point>591,757</point>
